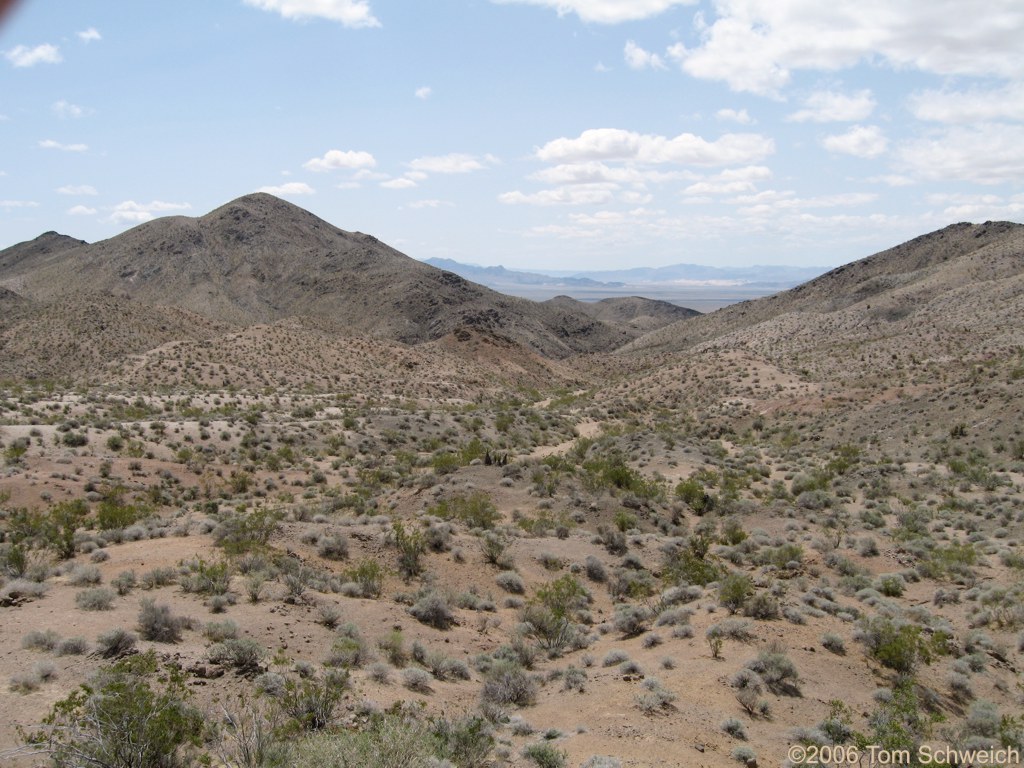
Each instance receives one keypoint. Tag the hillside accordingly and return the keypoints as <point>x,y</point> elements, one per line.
<point>260,259</point>
<point>633,312</point>
<point>965,275</point>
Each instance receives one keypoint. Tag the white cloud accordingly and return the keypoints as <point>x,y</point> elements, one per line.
<point>452,163</point>
<point>89,35</point>
<point>398,184</point>
<point>756,45</point>
<point>984,154</point>
<point>892,180</point>
<point>730,182</point>
<point>51,144</point>
<point>424,92</point>
<point>64,109</point>
<point>131,212</point>
<point>81,210</point>
<point>979,207</point>
<point>350,13</point>
<point>772,202</point>
<point>832,107</point>
<point>735,116</point>
<point>7,204</point>
<point>581,194</point>
<point>972,106</point>
<point>865,141</point>
<point>605,11</point>
<point>593,171</point>
<point>431,204</point>
<point>288,188</point>
<point>23,56</point>
<point>79,189</point>
<point>687,149</point>
<point>335,159</point>
<point>637,58</point>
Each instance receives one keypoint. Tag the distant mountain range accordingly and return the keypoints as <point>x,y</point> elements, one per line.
<point>692,276</point>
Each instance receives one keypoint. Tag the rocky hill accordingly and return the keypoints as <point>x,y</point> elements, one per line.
<point>259,259</point>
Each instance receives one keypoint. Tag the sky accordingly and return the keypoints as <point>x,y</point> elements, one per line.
<point>535,134</point>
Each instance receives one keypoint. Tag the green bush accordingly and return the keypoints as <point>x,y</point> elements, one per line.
<point>545,755</point>
<point>734,590</point>
<point>130,715</point>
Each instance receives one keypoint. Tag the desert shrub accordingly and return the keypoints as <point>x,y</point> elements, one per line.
<point>130,715</point>
<point>416,679</point>
<point>508,683</point>
<point>393,646</point>
<point>39,640</point>
<point>777,670</point>
<point>898,646</point>
<point>73,646</point>
<point>311,703</point>
<point>834,643</point>
<point>369,575</point>
<point>574,679</point>
<point>241,653</point>
<point>242,532</point>
<point>476,510</point>
<point>433,610</point>
<point>332,547</point>
<point>157,623</point>
<point>411,545</point>
<point>545,755</point>
<point>348,651</point>
<point>328,614</point>
<point>124,582</point>
<point>632,620</point>
<point>594,569</point>
<point>158,577</point>
<point>511,581</point>
<point>656,698</point>
<point>96,599</point>
<point>762,606</point>
<point>601,761</point>
<point>466,741</point>
<point>115,643</point>
<point>84,576</point>
<point>380,672</point>
<point>735,728</point>
<point>388,741</point>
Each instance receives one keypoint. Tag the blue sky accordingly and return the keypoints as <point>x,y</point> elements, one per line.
<point>557,134</point>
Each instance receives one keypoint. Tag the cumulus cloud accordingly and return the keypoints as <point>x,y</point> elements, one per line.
<point>431,204</point>
<point>64,109</point>
<point>89,35</point>
<point>773,201</point>
<point>23,56</point>
<point>336,159</point>
<point>77,189</point>
<point>686,148</point>
<point>582,194</point>
<point>402,183</point>
<point>865,141</point>
<point>81,210</point>
<point>424,92</point>
<point>984,154</point>
<point>350,13</point>
<point>288,188</point>
<point>455,162</point>
<point>131,212</point>
<point>832,107</point>
<point>733,181</point>
<point>979,207</point>
<point>972,106</point>
<point>7,204</point>
<point>637,58</point>
<point>756,45</point>
<point>605,11</point>
<point>51,144</point>
<point>734,116</point>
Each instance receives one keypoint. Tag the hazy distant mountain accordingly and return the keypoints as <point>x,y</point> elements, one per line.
<point>697,274</point>
<point>498,277</point>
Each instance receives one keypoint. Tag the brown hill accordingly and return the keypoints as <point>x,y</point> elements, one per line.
<point>259,259</point>
<point>634,312</point>
<point>963,278</point>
